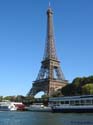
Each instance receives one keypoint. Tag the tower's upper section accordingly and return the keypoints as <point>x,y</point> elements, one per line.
<point>50,51</point>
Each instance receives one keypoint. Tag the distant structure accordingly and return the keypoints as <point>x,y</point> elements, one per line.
<point>50,77</point>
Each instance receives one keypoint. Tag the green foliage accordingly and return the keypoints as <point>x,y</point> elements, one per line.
<point>57,93</point>
<point>1,98</point>
<point>20,98</point>
<point>79,86</point>
<point>28,100</point>
<point>10,98</point>
<point>67,90</point>
<point>45,97</point>
<point>87,89</point>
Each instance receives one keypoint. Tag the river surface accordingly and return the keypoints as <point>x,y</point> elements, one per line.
<point>41,118</point>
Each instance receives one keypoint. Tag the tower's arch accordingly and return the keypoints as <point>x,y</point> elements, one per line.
<point>39,94</point>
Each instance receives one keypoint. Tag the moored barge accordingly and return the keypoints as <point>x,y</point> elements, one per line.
<point>72,104</point>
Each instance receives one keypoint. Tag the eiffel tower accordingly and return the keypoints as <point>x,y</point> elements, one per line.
<point>50,77</point>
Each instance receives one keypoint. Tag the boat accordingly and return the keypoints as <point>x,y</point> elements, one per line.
<point>6,106</point>
<point>38,107</point>
<point>72,104</point>
<point>18,106</point>
<point>11,106</point>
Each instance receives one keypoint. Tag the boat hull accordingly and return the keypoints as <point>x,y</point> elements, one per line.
<point>39,109</point>
<point>4,109</point>
<point>75,110</point>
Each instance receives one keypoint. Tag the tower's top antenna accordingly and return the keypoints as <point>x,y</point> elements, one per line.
<point>49,4</point>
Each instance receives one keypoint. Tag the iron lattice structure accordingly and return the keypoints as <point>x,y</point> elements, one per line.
<point>50,77</point>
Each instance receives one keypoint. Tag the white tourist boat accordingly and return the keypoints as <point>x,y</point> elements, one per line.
<point>70,104</point>
<point>39,107</point>
<point>7,106</point>
<point>11,106</point>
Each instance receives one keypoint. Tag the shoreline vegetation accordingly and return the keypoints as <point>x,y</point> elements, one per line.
<point>79,86</point>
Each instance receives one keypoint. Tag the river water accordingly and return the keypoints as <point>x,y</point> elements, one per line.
<point>41,118</point>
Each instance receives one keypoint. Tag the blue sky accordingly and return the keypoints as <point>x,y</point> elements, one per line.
<point>22,40</point>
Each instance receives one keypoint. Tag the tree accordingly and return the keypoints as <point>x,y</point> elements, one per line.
<point>28,100</point>
<point>78,86</point>
<point>87,89</point>
<point>1,98</point>
<point>57,93</point>
<point>8,98</point>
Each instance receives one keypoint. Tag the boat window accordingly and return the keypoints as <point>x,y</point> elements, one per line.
<point>88,102</point>
<point>62,102</point>
<point>72,102</point>
<point>66,102</point>
<point>92,101</point>
<point>77,102</point>
<point>82,102</point>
